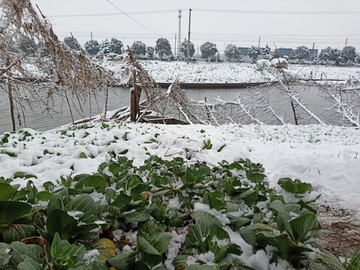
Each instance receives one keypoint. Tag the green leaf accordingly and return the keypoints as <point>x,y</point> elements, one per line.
<point>303,225</point>
<point>17,232</point>
<point>10,193</point>
<point>24,175</point>
<point>200,230</point>
<point>136,191</point>
<point>250,233</point>
<point>83,155</point>
<point>239,222</point>
<point>161,242</point>
<point>125,260</point>
<point>66,256</point>
<point>30,264</point>
<point>21,251</point>
<point>57,200</point>
<point>255,177</point>
<point>215,199</point>
<point>58,221</point>
<point>325,260</point>
<point>145,246</point>
<point>11,211</point>
<point>250,196</point>
<point>138,216</point>
<point>7,191</point>
<point>97,182</point>
<point>4,255</point>
<point>354,263</point>
<point>226,251</point>
<point>85,204</point>
<point>44,196</point>
<point>236,166</point>
<point>278,206</point>
<point>122,200</point>
<point>49,186</point>
<point>294,186</point>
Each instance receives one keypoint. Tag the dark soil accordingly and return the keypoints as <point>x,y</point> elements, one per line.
<point>341,231</point>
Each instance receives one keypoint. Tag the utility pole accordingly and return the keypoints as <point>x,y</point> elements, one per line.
<point>188,44</point>
<point>175,51</point>
<point>179,34</point>
<point>259,43</point>
<point>346,42</point>
<point>91,37</point>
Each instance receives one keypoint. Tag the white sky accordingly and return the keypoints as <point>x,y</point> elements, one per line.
<point>287,23</point>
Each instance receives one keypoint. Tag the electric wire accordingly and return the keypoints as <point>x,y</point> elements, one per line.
<point>113,14</point>
<point>131,18</point>
<point>282,12</point>
<point>260,12</point>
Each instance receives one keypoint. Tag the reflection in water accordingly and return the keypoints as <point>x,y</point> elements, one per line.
<point>58,112</point>
<point>273,96</point>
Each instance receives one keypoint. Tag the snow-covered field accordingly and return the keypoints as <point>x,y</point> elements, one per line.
<point>203,72</point>
<point>327,157</point>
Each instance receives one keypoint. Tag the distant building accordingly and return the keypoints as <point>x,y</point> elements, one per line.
<point>244,51</point>
<point>284,52</point>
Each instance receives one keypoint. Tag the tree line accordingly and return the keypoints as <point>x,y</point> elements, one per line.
<point>208,51</point>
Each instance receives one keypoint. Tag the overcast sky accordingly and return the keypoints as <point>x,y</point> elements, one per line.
<point>285,23</point>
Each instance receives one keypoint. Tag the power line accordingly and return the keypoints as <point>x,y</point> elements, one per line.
<point>282,12</point>
<point>139,23</point>
<point>260,12</point>
<point>280,35</point>
<point>113,14</point>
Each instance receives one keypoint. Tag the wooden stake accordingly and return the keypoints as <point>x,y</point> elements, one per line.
<point>10,95</point>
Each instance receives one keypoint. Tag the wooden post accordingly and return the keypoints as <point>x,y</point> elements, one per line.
<point>133,97</point>
<point>133,105</point>
<point>10,95</point>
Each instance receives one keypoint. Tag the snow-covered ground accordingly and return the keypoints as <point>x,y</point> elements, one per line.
<point>327,157</point>
<point>204,72</point>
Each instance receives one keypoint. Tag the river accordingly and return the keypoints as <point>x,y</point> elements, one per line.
<point>273,96</point>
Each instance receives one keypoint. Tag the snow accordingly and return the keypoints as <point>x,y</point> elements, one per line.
<point>208,72</point>
<point>91,256</point>
<point>328,157</point>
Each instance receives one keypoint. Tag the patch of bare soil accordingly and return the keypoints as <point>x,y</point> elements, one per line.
<point>341,231</point>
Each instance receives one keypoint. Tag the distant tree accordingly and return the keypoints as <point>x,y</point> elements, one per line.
<point>112,46</point>
<point>301,52</point>
<point>73,44</point>
<point>184,49</point>
<point>208,50</point>
<point>163,48</point>
<point>232,52</point>
<point>115,46</point>
<point>92,47</point>
<point>27,45</point>
<point>348,54</point>
<point>330,54</point>
<point>105,47</point>
<point>254,53</point>
<point>150,52</point>
<point>266,50</point>
<point>139,49</point>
